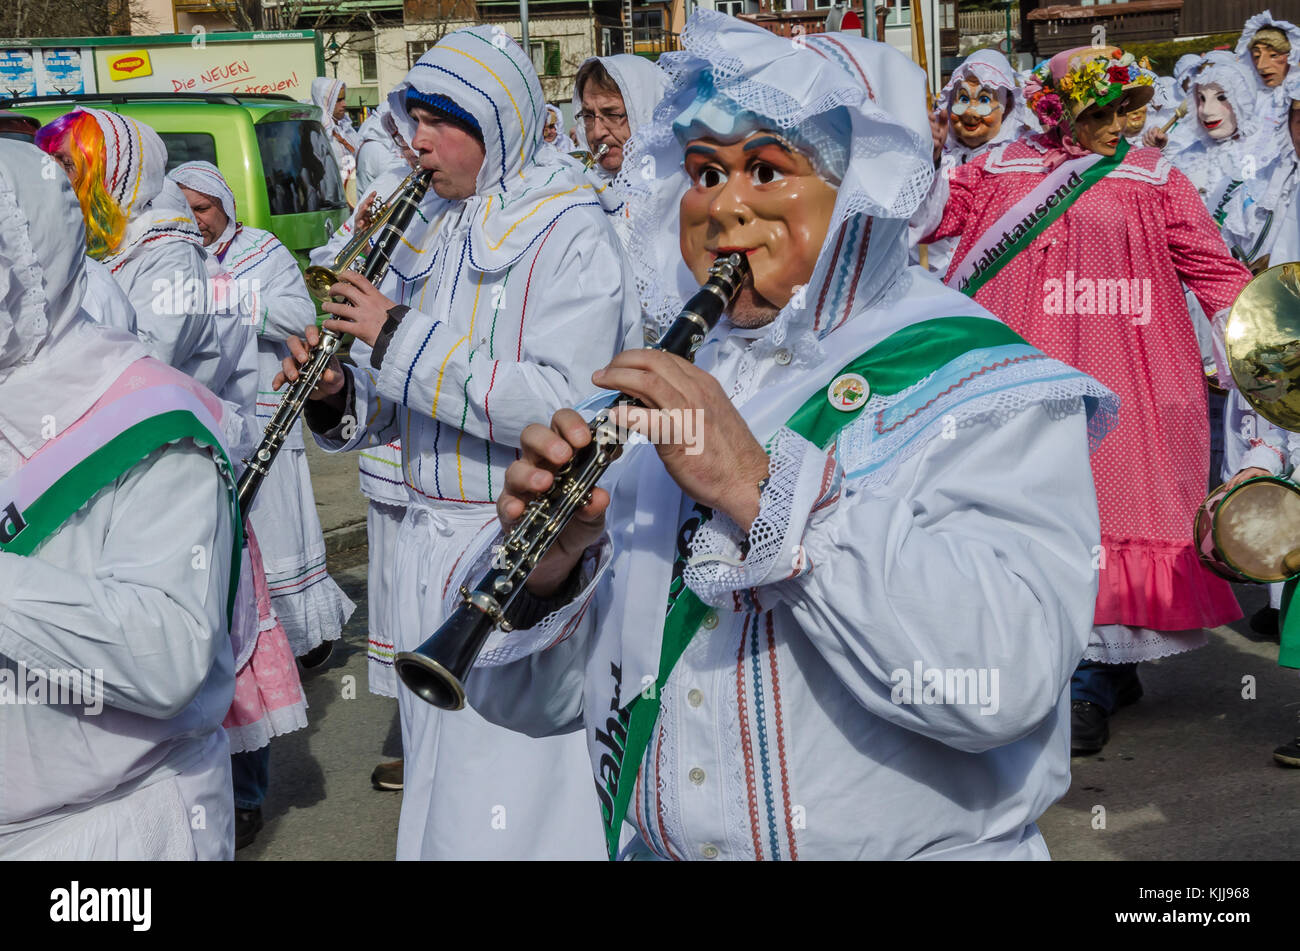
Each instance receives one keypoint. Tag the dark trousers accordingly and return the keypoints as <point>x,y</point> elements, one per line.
<point>252,774</point>
<point>1101,683</point>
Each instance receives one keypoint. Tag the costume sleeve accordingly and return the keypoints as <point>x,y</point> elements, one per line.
<point>105,302</point>
<point>531,680</point>
<point>573,323</point>
<point>1260,444</point>
<point>955,194</point>
<point>929,215</point>
<point>281,305</point>
<point>367,418</point>
<point>977,554</point>
<point>185,338</point>
<point>148,606</point>
<point>1200,257</point>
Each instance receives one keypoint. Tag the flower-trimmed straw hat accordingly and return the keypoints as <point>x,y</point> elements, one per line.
<point>1073,80</point>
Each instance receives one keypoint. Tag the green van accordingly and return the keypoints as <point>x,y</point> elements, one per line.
<point>270,148</point>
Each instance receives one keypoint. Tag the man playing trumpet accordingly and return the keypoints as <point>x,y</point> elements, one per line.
<point>506,300</point>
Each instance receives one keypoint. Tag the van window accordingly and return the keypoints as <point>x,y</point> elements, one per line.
<point>185,147</point>
<point>301,173</point>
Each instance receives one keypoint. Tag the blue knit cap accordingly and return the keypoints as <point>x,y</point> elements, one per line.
<point>445,108</point>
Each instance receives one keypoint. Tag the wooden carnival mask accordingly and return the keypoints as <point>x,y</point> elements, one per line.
<point>975,114</point>
<point>760,195</point>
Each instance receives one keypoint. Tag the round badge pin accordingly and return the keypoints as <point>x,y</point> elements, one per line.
<point>848,391</point>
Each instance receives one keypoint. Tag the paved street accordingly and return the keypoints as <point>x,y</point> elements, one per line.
<point>1188,773</point>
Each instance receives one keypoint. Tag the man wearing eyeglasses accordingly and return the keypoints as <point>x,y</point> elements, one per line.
<point>612,97</point>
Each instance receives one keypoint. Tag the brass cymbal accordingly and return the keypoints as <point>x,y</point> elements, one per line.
<point>1263,343</point>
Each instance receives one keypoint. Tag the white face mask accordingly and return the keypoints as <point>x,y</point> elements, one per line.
<point>1214,112</point>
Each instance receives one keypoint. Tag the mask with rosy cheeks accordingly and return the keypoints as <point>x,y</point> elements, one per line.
<point>1215,113</point>
<point>1136,120</point>
<point>975,114</point>
<point>759,195</point>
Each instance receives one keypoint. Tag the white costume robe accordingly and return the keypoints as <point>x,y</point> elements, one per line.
<point>503,286</point>
<point>262,271</point>
<point>115,589</point>
<point>378,467</point>
<point>105,302</point>
<point>308,602</point>
<point>783,731</point>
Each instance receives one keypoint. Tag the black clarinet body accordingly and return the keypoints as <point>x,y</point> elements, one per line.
<point>390,225</point>
<point>436,670</point>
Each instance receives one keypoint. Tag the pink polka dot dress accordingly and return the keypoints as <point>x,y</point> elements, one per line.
<point>1145,225</point>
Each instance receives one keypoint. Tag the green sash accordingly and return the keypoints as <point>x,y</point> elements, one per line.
<point>891,366</point>
<point>1087,179</point>
<point>1288,654</point>
<point>106,465</point>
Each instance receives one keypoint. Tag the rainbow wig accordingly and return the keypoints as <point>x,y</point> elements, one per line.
<point>78,134</point>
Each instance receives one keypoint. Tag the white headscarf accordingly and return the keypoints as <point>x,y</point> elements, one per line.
<point>792,88</point>
<point>1168,95</point>
<point>1257,23</point>
<point>484,74</point>
<point>1186,64</point>
<point>990,69</point>
<point>640,82</point>
<point>325,93</point>
<point>1237,81</point>
<point>54,361</point>
<point>380,149</point>
<point>206,179</point>
<point>135,161</point>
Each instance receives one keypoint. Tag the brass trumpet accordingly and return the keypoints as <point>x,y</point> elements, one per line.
<point>388,224</point>
<point>320,278</point>
<point>588,159</point>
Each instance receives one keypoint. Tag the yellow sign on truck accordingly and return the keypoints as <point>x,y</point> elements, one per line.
<point>249,64</point>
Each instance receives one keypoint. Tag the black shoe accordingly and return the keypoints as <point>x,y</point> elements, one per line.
<point>317,655</point>
<point>1288,754</point>
<point>248,822</point>
<point>387,775</point>
<point>1264,622</point>
<point>1089,728</point>
<point>1131,692</point>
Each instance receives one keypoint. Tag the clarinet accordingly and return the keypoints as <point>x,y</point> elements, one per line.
<point>436,670</point>
<point>394,220</point>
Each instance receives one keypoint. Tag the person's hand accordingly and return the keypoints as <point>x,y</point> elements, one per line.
<point>701,438</point>
<point>363,310</point>
<point>331,381</point>
<point>1154,138</point>
<point>544,450</point>
<point>362,221</point>
<point>1252,473</point>
<point>938,132</point>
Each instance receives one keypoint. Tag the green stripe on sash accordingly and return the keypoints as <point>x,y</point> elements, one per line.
<point>110,462</point>
<point>1288,654</point>
<point>1094,174</point>
<point>891,366</point>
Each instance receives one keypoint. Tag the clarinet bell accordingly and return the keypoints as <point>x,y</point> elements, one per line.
<point>436,670</point>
